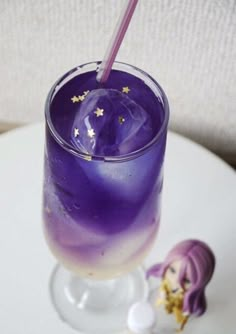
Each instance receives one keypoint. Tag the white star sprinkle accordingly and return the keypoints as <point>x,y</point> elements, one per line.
<point>91,133</point>
<point>76,132</point>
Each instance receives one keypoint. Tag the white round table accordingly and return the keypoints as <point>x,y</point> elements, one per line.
<point>198,202</point>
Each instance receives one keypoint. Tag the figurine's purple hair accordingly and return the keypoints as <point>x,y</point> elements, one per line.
<point>197,259</point>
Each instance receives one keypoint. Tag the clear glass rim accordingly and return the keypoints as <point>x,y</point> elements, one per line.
<point>71,149</point>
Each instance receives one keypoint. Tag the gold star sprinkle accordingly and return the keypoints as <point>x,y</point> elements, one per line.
<point>99,112</point>
<point>88,158</point>
<point>81,97</point>
<point>91,133</point>
<point>75,99</point>
<point>125,90</point>
<point>121,119</point>
<point>76,132</point>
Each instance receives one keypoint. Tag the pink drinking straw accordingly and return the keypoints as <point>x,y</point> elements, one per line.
<point>115,42</point>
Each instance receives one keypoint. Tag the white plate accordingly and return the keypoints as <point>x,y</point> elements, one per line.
<point>199,202</point>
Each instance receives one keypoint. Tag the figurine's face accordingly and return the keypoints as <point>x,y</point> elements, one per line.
<point>172,276</point>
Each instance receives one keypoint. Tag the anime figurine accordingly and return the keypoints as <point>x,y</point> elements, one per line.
<point>186,271</point>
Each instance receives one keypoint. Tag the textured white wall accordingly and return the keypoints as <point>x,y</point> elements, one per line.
<point>189,46</point>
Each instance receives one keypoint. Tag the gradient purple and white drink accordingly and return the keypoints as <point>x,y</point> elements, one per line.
<point>104,154</point>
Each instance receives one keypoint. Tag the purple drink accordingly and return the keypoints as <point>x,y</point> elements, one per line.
<point>103,169</point>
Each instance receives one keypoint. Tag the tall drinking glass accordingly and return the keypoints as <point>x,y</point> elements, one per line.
<point>101,211</point>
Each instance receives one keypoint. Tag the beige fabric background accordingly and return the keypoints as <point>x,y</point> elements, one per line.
<point>189,46</point>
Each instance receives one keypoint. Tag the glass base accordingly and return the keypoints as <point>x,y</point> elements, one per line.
<point>96,307</point>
